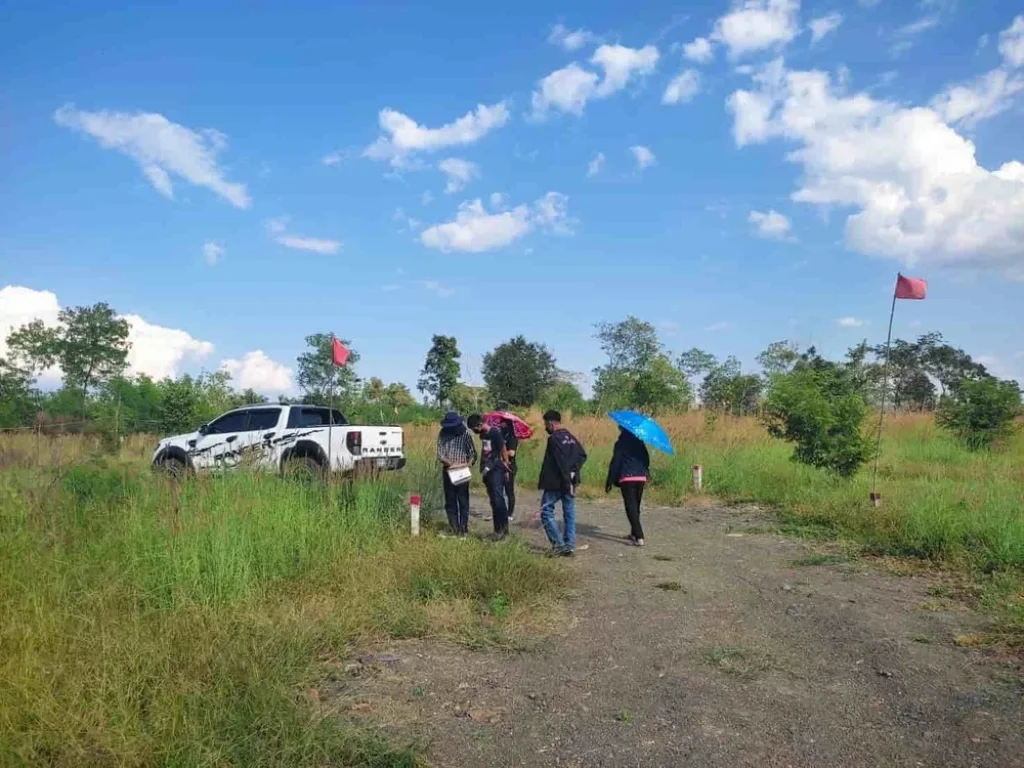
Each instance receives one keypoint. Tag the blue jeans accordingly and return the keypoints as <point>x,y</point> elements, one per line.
<point>547,515</point>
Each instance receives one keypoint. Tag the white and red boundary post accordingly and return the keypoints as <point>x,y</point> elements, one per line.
<point>698,477</point>
<point>414,513</point>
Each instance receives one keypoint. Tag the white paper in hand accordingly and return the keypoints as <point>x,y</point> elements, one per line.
<point>460,475</point>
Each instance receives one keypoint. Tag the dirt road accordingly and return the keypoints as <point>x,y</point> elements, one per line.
<point>712,647</point>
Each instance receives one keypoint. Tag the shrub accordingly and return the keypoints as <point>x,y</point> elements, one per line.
<point>980,411</point>
<point>818,407</point>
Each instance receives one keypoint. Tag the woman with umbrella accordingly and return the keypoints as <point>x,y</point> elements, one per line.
<point>631,463</point>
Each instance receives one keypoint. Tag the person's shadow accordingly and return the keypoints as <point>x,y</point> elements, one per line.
<point>586,530</point>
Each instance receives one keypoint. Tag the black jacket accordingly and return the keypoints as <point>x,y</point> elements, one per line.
<point>563,459</point>
<point>629,459</point>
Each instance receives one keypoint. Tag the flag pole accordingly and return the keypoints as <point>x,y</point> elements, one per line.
<point>330,412</point>
<point>875,498</point>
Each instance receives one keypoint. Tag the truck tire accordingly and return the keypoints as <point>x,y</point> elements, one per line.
<point>305,468</point>
<point>173,467</point>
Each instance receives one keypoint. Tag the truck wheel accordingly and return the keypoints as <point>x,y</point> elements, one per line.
<point>173,467</point>
<point>304,468</point>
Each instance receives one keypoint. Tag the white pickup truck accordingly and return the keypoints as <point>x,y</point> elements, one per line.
<point>284,438</point>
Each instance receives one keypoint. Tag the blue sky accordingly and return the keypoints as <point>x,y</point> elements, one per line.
<point>736,173</point>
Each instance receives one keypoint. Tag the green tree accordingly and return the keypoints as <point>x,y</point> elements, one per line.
<point>819,407</point>
<point>518,371</point>
<point>320,380</point>
<point>695,363</point>
<point>467,399</point>
<point>397,396</point>
<point>727,388</point>
<point>441,369</point>
<point>631,345</point>
<point>18,400</point>
<point>778,357</point>
<point>981,412</point>
<point>564,396</point>
<point>180,406</point>
<point>90,344</point>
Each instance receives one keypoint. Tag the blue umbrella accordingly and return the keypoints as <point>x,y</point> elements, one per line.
<point>644,427</point>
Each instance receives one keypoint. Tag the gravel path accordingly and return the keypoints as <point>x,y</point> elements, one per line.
<point>711,647</point>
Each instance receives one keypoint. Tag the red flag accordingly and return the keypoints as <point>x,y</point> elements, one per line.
<point>339,353</point>
<point>910,287</point>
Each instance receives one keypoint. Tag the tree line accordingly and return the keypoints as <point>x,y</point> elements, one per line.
<point>89,345</point>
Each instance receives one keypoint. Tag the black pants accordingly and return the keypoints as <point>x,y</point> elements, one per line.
<point>495,482</point>
<point>456,504</point>
<point>632,495</point>
<point>510,488</point>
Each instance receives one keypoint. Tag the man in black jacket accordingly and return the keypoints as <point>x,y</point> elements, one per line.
<point>559,478</point>
<point>494,470</point>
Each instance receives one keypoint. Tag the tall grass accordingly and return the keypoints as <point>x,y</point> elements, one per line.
<point>144,622</point>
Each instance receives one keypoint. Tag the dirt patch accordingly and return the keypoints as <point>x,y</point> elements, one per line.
<point>762,659</point>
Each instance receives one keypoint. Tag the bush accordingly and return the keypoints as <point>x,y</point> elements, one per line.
<point>818,407</point>
<point>981,411</point>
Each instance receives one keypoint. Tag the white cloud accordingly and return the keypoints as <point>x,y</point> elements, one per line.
<point>333,158</point>
<point>19,306</point>
<point>1011,43</point>
<point>155,351</point>
<point>497,200</point>
<point>643,156</point>
<point>682,88</point>
<point>474,230</point>
<point>257,371</point>
<point>771,225</point>
<point>917,27</point>
<point>569,89</point>
<point>441,291</point>
<point>594,166</point>
<point>850,322</point>
<point>723,325</point>
<point>408,222</point>
<point>757,25</point>
<point>987,96</point>
<point>824,25</point>
<point>699,50</point>
<point>212,252</point>
<point>313,244</point>
<point>570,39</point>
<point>621,65</point>
<point>161,148</point>
<point>278,229</point>
<point>402,136</point>
<point>158,352</point>
<point>913,183</point>
<point>459,172</point>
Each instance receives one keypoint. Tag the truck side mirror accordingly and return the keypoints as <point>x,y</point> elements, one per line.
<point>203,429</point>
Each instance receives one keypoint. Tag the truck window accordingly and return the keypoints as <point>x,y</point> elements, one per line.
<point>229,422</point>
<point>263,418</point>
<point>314,417</point>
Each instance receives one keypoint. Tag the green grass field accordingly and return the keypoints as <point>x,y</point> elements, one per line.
<point>144,622</point>
<point>147,623</point>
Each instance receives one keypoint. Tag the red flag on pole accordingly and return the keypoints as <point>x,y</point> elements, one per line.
<point>910,287</point>
<point>339,353</point>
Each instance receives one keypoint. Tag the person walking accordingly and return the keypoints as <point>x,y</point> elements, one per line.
<point>455,450</point>
<point>560,476</point>
<point>508,433</point>
<point>629,470</point>
<point>494,467</point>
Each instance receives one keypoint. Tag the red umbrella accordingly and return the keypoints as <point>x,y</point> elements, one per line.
<point>522,429</point>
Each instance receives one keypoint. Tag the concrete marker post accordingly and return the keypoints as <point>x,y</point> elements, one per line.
<point>414,513</point>
<point>698,477</point>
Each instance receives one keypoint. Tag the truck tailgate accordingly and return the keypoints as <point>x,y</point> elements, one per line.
<point>381,442</point>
